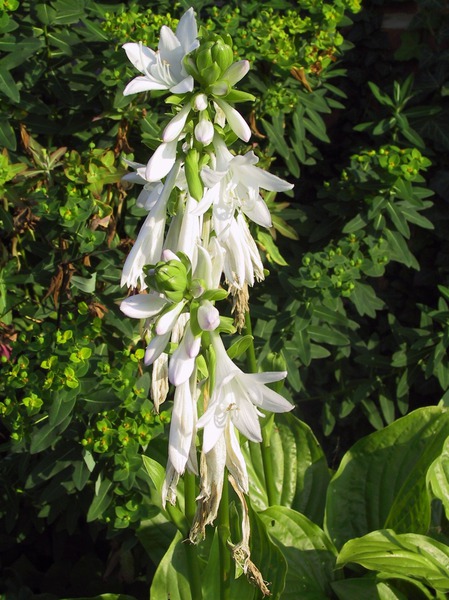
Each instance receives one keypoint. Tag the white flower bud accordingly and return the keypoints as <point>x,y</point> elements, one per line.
<point>204,131</point>
<point>208,316</point>
<point>200,102</point>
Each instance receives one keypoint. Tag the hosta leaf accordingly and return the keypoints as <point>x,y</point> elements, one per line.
<point>368,588</point>
<point>400,555</point>
<point>438,477</point>
<point>300,470</point>
<point>309,553</point>
<point>381,481</point>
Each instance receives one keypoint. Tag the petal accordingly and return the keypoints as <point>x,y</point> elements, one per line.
<point>245,418</point>
<point>161,162</point>
<point>235,460</point>
<point>211,177</point>
<point>267,398</point>
<point>187,31</point>
<point>170,484</point>
<point>265,180</point>
<point>181,427</point>
<point>142,84</point>
<point>147,247</point>
<point>236,122</point>
<point>208,316</point>
<point>174,128</point>
<point>235,72</point>
<point>155,348</point>
<point>204,204</point>
<point>167,321</point>
<point>213,422</point>
<point>168,44</point>
<point>258,212</point>
<point>268,376</point>
<point>184,86</point>
<point>200,102</point>
<point>204,132</point>
<point>142,306</point>
<point>190,231</point>
<point>140,56</point>
<point>182,361</point>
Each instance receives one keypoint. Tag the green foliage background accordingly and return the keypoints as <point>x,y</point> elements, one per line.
<point>356,304</point>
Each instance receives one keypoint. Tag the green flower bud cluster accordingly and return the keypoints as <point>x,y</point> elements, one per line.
<point>209,62</point>
<point>172,278</point>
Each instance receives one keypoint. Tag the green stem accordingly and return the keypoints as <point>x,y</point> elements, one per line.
<point>223,537</point>
<point>194,570</point>
<point>189,496</point>
<point>183,523</point>
<point>265,447</point>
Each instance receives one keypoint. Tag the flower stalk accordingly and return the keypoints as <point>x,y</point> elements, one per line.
<point>194,249</point>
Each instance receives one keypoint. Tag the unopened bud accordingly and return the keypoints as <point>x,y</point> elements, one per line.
<point>194,181</point>
<point>208,316</point>
<point>171,279</point>
<point>204,131</point>
<point>200,102</point>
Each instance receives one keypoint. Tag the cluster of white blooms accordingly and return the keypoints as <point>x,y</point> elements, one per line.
<point>182,264</point>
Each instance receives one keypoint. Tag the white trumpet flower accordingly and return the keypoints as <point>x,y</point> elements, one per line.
<point>234,184</point>
<point>164,69</point>
<point>237,396</point>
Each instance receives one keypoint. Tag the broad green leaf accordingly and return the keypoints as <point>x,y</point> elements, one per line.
<point>240,346</point>
<point>268,559</point>
<point>106,597</point>
<point>319,125</point>
<point>309,553</point>
<point>438,477</point>
<point>315,130</point>
<point>275,131</point>
<point>368,588</point>
<point>156,535</point>
<point>300,470</point>
<point>8,85</point>
<point>101,501</point>
<point>7,135</point>
<point>155,470</point>
<point>381,481</point>
<point>80,475</point>
<point>290,353</point>
<point>396,555</point>
<point>19,52</point>
<point>172,576</point>
<point>97,33</point>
